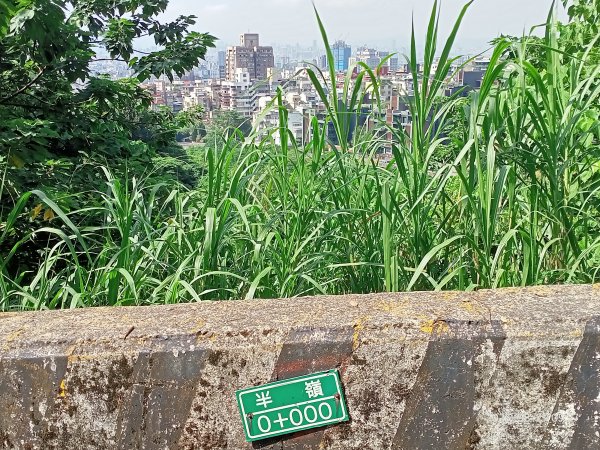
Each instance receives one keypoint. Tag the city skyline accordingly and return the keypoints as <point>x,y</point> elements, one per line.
<point>291,22</point>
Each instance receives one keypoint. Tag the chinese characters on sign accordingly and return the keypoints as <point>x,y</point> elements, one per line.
<point>292,405</point>
<point>313,388</point>
<point>263,399</point>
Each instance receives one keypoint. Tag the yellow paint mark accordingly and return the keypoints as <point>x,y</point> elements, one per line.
<point>576,333</point>
<point>393,306</point>
<point>448,295</point>
<point>12,337</point>
<point>199,325</point>
<point>435,326</point>
<point>62,392</point>
<point>202,334</point>
<point>427,327</point>
<point>386,306</point>
<point>468,306</point>
<point>76,358</point>
<point>358,327</point>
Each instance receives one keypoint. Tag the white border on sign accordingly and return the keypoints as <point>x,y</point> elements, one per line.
<point>299,427</point>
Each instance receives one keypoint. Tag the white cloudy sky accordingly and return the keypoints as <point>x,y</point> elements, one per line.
<point>375,22</point>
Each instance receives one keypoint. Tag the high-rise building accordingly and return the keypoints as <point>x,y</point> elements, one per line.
<point>221,58</point>
<point>322,62</point>
<point>369,56</point>
<point>249,55</point>
<point>341,55</point>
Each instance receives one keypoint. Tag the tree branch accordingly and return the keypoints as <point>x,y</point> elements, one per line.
<point>24,88</point>
<point>108,59</point>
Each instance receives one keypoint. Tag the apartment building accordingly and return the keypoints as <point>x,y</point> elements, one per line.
<point>249,55</point>
<point>237,94</point>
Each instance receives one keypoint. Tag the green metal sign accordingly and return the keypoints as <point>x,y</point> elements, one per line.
<point>292,405</point>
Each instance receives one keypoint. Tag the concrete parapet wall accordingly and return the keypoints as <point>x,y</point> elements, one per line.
<point>506,369</point>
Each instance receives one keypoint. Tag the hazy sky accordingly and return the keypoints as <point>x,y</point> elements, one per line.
<point>373,22</point>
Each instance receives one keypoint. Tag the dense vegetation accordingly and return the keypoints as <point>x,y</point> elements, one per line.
<point>503,191</point>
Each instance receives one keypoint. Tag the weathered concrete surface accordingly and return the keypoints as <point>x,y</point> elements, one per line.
<point>507,369</point>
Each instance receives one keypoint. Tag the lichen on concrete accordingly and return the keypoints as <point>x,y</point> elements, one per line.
<point>515,368</point>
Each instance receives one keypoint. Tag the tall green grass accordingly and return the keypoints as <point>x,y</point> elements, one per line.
<point>516,205</point>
